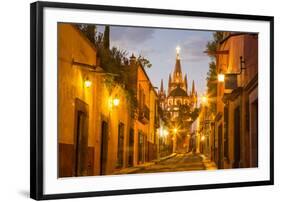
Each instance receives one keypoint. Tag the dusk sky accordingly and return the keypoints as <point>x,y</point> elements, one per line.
<point>159,47</point>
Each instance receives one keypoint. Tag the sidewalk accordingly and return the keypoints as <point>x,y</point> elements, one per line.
<point>209,165</point>
<point>142,166</point>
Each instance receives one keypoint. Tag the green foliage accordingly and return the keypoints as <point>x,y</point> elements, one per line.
<point>211,78</point>
<point>213,44</point>
<point>106,38</point>
<point>89,30</point>
<point>212,85</point>
<point>144,62</point>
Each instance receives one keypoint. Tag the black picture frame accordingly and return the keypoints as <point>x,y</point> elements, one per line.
<point>37,101</point>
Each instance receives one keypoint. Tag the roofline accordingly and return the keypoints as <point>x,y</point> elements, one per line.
<point>235,34</point>
<point>74,25</point>
<point>148,78</point>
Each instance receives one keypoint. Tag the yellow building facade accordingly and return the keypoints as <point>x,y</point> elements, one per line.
<point>93,120</point>
<point>146,120</point>
<point>99,132</point>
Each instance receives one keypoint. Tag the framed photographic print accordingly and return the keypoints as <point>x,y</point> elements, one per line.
<point>136,100</point>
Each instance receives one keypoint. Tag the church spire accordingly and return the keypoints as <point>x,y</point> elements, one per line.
<point>161,86</point>
<point>170,79</point>
<point>185,83</point>
<point>178,52</point>
<point>169,84</point>
<point>193,88</point>
<point>177,75</point>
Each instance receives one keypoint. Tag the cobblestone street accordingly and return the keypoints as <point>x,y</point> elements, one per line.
<point>178,162</point>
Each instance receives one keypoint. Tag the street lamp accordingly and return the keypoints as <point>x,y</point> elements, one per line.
<point>113,102</point>
<point>220,77</point>
<point>204,100</point>
<point>87,82</point>
<point>116,101</point>
<point>202,138</point>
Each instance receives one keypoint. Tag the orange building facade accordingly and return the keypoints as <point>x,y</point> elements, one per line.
<point>235,141</point>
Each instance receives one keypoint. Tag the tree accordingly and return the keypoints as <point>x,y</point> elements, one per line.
<point>106,43</point>
<point>211,78</point>
<point>113,60</point>
<point>212,85</point>
<point>144,62</point>
<point>213,44</point>
<point>90,31</point>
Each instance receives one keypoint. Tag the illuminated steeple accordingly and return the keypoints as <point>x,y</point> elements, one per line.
<point>177,75</point>
<point>185,83</point>
<point>193,88</point>
<point>178,52</point>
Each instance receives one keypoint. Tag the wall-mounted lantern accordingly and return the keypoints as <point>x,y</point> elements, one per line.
<point>116,101</point>
<point>220,77</point>
<point>87,82</point>
<point>230,79</point>
<point>113,102</point>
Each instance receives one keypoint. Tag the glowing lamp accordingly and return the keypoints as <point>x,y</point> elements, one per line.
<point>221,77</point>
<point>116,102</point>
<point>87,83</point>
<point>203,138</point>
<point>178,49</point>
<point>204,100</point>
<point>165,132</point>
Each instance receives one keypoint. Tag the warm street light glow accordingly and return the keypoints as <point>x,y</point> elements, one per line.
<point>221,77</point>
<point>204,100</point>
<point>165,132</point>
<point>203,138</point>
<point>113,102</point>
<point>87,83</point>
<point>116,102</point>
<point>175,130</point>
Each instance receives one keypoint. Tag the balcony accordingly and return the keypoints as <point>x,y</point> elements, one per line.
<point>144,114</point>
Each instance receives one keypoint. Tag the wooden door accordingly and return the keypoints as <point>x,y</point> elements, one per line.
<point>104,147</point>
<point>237,146</point>
<point>81,139</point>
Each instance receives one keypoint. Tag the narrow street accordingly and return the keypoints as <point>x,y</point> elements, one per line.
<point>117,119</point>
<point>178,162</point>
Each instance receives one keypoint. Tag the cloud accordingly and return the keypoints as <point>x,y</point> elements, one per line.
<point>131,34</point>
<point>132,39</point>
<point>193,48</point>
